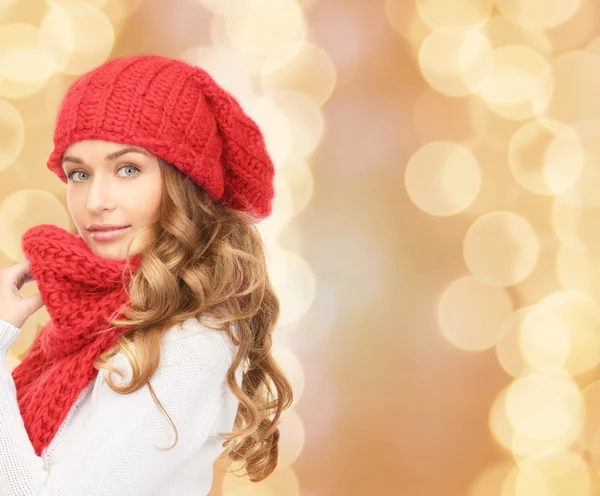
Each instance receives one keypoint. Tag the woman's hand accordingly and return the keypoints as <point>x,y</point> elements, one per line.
<point>15,309</point>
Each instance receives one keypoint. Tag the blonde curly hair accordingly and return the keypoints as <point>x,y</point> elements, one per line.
<point>203,259</point>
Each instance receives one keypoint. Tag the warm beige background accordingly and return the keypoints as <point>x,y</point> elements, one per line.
<point>435,235</point>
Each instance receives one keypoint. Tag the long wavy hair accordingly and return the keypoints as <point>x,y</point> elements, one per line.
<point>203,259</point>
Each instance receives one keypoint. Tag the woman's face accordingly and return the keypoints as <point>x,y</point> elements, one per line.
<point>111,183</point>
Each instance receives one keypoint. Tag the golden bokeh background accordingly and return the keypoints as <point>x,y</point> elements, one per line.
<point>435,238</point>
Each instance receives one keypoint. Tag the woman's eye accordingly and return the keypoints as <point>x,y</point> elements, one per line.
<point>72,173</point>
<point>125,167</point>
<point>130,167</point>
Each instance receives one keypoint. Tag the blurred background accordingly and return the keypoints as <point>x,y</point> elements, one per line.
<point>436,231</point>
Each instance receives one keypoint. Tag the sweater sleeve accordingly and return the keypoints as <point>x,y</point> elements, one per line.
<point>118,450</point>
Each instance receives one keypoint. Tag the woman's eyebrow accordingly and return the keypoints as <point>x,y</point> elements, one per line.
<point>109,156</point>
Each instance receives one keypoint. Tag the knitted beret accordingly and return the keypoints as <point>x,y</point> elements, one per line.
<point>180,114</point>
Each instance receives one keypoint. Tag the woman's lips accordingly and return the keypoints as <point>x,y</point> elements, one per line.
<point>109,235</point>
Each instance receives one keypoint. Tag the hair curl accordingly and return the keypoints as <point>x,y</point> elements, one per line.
<point>203,259</point>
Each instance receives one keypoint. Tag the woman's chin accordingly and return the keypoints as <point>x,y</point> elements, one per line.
<point>109,253</point>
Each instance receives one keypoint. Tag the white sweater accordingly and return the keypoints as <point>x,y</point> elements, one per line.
<point>107,444</point>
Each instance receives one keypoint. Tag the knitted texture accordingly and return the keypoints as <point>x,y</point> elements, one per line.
<point>179,113</point>
<point>81,291</point>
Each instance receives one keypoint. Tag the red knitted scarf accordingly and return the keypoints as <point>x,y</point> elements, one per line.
<point>81,291</point>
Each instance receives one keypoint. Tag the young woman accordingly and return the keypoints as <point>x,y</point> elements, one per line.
<point>157,358</point>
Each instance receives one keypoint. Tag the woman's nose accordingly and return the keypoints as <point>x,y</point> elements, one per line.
<point>99,196</point>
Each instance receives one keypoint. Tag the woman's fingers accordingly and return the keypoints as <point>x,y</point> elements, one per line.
<point>33,303</point>
<point>16,275</point>
<point>14,308</point>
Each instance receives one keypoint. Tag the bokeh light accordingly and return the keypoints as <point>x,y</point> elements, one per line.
<point>294,282</point>
<point>508,348</point>
<point>438,13</point>
<point>24,67</point>
<point>490,480</point>
<point>546,406</point>
<point>456,60</point>
<point>300,181</point>
<point>561,332</point>
<point>292,367</point>
<point>523,446</point>
<point>292,439</point>
<point>471,313</point>
<point>522,83</point>
<point>538,14</point>
<point>510,86</point>
<point>591,434</point>
<point>585,189</point>
<point>227,67</point>
<point>576,78</point>
<point>12,134</point>
<point>311,70</point>
<point>443,178</point>
<point>545,156</point>
<point>24,209</point>
<point>564,476</point>
<point>283,481</point>
<point>77,37</point>
<point>259,27</point>
<point>502,32</point>
<point>501,248</point>
<point>276,128</point>
<point>305,121</point>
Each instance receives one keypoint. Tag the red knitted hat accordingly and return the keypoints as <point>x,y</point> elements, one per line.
<point>180,114</point>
